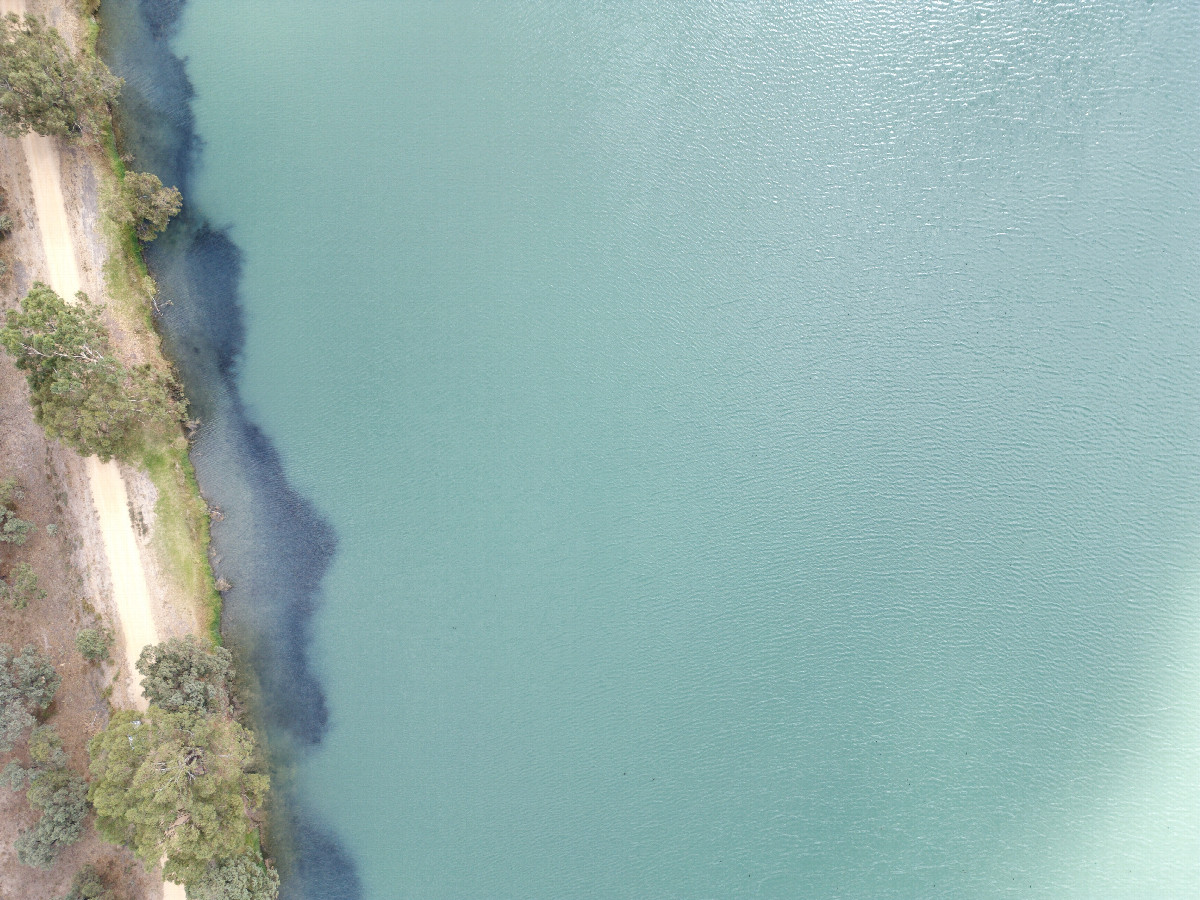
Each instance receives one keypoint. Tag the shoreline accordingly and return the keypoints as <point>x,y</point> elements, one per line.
<point>144,526</point>
<point>270,544</point>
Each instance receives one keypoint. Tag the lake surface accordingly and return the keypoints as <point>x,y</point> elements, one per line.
<point>761,441</point>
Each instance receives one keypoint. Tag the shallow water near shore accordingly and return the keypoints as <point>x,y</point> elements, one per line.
<point>731,451</point>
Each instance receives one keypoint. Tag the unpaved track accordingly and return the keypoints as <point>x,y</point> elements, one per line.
<point>41,156</point>
<point>124,564</point>
<point>109,494</point>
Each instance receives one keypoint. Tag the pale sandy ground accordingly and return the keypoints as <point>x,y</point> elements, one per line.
<point>127,575</point>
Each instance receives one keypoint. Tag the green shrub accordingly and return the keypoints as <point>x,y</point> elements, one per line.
<point>88,885</point>
<point>61,797</point>
<point>94,643</point>
<point>6,224</point>
<point>46,749</point>
<point>56,792</point>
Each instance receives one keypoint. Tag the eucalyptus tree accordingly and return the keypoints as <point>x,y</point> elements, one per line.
<point>81,393</point>
<point>176,786</point>
<point>44,87</point>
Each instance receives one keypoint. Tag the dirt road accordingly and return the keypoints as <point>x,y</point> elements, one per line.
<point>109,495</point>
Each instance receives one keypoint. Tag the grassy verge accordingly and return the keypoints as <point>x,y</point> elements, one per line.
<point>181,531</point>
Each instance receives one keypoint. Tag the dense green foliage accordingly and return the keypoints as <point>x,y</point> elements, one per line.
<point>175,785</point>
<point>44,87</point>
<point>61,797</point>
<point>147,205</point>
<point>182,674</point>
<point>28,683</point>
<point>88,885</point>
<point>56,792</point>
<point>21,587</point>
<point>93,643</point>
<point>80,392</point>
<point>12,530</point>
<point>243,877</point>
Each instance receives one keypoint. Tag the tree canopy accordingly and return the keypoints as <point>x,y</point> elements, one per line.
<point>80,392</point>
<point>147,205</point>
<point>243,877</point>
<point>182,674</point>
<point>46,88</point>
<point>28,683</point>
<point>56,792</point>
<point>176,785</point>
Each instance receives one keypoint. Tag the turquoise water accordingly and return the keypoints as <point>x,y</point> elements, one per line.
<point>761,439</point>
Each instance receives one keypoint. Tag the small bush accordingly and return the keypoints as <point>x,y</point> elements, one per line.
<point>12,530</point>
<point>21,587</point>
<point>45,748</point>
<point>88,885</point>
<point>61,797</point>
<point>56,792</point>
<point>94,643</point>
<point>6,224</point>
